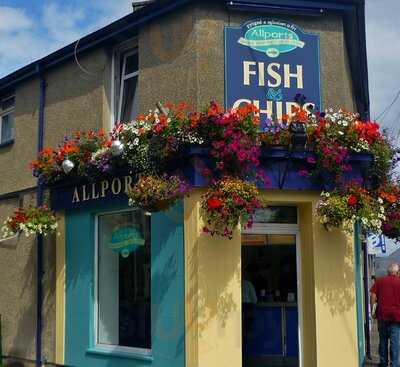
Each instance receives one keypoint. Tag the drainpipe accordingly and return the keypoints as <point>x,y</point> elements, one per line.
<point>39,237</point>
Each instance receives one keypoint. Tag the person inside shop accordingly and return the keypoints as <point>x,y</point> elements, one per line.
<point>249,294</point>
<point>385,299</point>
<point>249,300</point>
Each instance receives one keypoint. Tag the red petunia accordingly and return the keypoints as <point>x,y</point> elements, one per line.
<point>214,203</point>
<point>352,200</point>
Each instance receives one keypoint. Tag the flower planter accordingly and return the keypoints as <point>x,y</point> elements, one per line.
<point>283,167</point>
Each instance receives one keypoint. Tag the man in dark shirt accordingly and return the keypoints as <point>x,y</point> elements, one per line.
<point>386,293</point>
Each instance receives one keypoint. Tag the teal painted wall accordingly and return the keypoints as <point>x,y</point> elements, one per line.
<point>167,292</point>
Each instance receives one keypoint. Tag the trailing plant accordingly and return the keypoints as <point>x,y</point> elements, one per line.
<point>340,208</point>
<point>226,203</point>
<point>275,132</point>
<point>156,193</point>
<point>82,155</point>
<point>31,220</point>
<point>233,138</point>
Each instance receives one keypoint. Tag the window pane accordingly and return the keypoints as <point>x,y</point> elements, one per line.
<point>7,103</point>
<point>7,127</point>
<point>132,64</point>
<point>124,294</point>
<point>277,214</point>
<point>129,102</point>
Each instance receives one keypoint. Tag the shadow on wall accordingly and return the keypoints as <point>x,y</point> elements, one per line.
<point>213,303</point>
<point>335,285</point>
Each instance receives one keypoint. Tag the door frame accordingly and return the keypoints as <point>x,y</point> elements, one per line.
<point>287,229</point>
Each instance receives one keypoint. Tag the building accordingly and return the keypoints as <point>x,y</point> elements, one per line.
<point>172,51</point>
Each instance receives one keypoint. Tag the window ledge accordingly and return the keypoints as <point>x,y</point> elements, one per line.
<point>7,143</point>
<point>119,354</point>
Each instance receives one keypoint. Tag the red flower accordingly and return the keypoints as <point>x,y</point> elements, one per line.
<point>214,203</point>
<point>352,200</point>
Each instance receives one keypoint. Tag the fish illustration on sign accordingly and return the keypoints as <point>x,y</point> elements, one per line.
<point>126,240</point>
<point>274,95</point>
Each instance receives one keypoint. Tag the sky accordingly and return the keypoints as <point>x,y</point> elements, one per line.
<point>31,29</point>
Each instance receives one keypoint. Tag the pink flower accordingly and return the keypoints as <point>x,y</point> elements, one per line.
<point>242,155</point>
<point>303,173</point>
<point>311,160</point>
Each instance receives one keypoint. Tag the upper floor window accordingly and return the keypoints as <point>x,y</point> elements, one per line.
<point>7,131</point>
<point>128,81</point>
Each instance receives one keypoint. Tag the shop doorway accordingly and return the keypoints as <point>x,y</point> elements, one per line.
<point>271,329</point>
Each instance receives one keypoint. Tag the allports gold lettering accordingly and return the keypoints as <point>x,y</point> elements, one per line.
<point>101,189</point>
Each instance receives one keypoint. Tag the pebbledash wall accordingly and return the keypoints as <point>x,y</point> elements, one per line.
<point>181,57</point>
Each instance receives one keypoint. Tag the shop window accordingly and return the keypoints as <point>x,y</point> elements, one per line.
<point>123,309</point>
<point>128,81</point>
<point>7,130</point>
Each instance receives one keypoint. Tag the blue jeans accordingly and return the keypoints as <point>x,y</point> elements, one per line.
<point>389,332</point>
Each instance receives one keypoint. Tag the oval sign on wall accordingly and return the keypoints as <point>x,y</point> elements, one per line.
<point>271,39</point>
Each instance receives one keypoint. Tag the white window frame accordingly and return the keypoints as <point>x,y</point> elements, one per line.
<point>124,78</point>
<point>96,344</point>
<point>129,47</point>
<point>287,229</point>
<point>6,112</point>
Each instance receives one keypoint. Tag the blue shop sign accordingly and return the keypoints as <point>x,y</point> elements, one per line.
<point>267,63</point>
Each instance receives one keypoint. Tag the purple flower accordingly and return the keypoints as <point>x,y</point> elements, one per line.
<point>311,160</point>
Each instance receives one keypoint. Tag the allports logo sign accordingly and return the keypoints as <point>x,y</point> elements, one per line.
<point>268,62</point>
<point>270,38</point>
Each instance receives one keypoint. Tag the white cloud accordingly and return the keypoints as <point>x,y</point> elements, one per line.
<point>24,39</point>
<point>62,23</point>
<point>13,19</point>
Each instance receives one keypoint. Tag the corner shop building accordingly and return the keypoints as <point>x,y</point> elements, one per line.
<point>186,299</point>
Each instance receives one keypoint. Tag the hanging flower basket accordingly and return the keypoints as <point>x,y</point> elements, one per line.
<point>226,203</point>
<point>30,221</point>
<point>155,193</point>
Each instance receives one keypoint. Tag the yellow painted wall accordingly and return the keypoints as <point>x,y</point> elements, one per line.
<point>60,289</point>
<point>213,290</point>
<point>213,294</point>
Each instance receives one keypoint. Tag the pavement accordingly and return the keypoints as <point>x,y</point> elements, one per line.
<point>374,347</point>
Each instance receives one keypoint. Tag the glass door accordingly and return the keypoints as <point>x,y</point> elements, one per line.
<point>270,296</point>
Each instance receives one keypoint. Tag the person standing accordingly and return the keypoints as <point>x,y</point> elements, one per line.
<point>385,298</point>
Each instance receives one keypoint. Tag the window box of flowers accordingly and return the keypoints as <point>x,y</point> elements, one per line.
<point>170,149</point>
